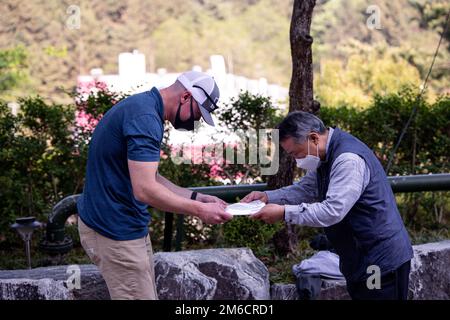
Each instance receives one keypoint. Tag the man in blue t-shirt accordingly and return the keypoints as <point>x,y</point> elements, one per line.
<point>122,180</point>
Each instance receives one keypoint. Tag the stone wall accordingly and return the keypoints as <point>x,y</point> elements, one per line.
<point>197,275</point>
<point>215,274</point>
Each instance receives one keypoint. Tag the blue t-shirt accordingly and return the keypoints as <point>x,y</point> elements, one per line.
<point>132,129</point>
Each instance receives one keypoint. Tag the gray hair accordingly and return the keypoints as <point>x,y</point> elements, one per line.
<point>299,125</point>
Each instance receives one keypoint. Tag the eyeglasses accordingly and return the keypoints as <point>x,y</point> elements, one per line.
<point>210,106</point>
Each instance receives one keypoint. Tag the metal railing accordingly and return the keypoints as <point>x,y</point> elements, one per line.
<point>56,240</point>
<point>399,184</point>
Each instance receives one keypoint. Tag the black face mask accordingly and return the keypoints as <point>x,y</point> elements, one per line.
<point>187,124</point>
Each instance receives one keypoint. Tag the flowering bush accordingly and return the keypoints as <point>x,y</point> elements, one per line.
<point>92,100</point>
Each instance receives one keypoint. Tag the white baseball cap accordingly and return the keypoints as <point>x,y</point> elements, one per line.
<point>204,90</point>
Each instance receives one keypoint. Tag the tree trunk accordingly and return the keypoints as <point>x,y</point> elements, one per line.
<point>300,98</point>
<point>301,88</point>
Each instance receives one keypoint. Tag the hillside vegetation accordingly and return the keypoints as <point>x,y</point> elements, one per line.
<point>39,53</point>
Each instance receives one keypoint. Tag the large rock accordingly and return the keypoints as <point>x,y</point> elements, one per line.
<point>429,277</point>
<point>330,290</point>
<point>26,289</point>
<point>430,272</point>
<point>211,274</point>
<point>199,274</point>
<point>91,286</point>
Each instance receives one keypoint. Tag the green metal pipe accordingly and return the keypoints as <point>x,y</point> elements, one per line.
<point>414,183</point>
<point>230,193</point>
<point>56,241</point>
<point>420,182</point>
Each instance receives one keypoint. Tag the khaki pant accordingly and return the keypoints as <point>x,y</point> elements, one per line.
<point>126,266</point>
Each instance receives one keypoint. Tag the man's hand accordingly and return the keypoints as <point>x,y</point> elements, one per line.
<point>211,213</point>
<point>210,199</point>
<point>255,195</point>
<point>271,213</point>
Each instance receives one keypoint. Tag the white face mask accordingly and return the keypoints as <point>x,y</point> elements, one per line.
<point>310,162</point>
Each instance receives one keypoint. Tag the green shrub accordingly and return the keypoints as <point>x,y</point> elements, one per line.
<point>37,167</point>
<point>244,232</point>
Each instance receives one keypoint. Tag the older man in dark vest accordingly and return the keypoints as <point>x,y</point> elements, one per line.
<point>345,191</point>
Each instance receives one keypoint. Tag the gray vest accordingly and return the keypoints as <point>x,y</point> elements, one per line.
<point>372,233</point>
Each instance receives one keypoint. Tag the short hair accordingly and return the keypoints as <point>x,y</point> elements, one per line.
<point>298,125</point>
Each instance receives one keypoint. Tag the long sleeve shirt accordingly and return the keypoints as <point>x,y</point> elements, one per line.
<point>349,177</point>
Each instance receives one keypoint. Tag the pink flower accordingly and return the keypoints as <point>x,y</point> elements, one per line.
<point>163,155</point>
<point>92,86</point>
<point>215,171</point>
<point>85,121</point>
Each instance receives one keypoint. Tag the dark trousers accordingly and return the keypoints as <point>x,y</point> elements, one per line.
<point>393,286</point>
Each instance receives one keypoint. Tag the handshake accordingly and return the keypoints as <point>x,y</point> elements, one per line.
<point>216,211</point>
